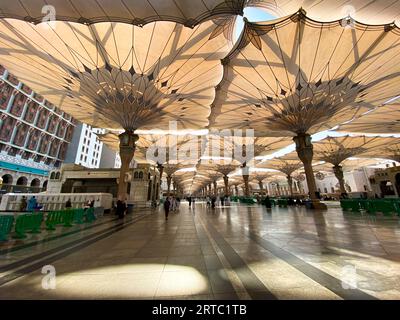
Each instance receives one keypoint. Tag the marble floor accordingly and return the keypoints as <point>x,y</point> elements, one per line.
<point>236,252</point>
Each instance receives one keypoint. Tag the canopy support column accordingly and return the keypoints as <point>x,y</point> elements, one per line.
<point>290,183</point>
<point>338,171</point>
<point>127,146</point>
<point>246,185</point>
<point>260,184</point>
<point>169,179</point>
<point>305,152</point>
<point>226,183</point>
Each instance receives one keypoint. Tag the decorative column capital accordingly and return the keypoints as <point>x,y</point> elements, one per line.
<point>304,147</point>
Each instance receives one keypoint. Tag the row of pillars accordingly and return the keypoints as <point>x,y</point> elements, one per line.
<point>304,150</point>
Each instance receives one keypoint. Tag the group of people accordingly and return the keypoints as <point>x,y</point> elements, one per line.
<point>213,200</point>
<point>88,204</point>
<point>171,204</point>
<point>29,205</point>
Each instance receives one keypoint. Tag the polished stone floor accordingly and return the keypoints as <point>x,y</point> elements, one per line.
<point>236,252</point>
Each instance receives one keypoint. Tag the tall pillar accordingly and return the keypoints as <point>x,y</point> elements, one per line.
<point>260,184</point>
<point>169,179</point>
<point>246,185</point>
<point>338,171</point>
<point>127,146</point>
<point>290,183</point>
<point>154,188</point>
<point>160,168</point>
<point>236,190</point>
<point>226,183</point>
<point>215,187</point>
<point>305,152</point>
<point>278,189</point>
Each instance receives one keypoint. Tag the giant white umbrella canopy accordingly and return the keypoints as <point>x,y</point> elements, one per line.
<point>287,164</point>
<point>295,76</point>
<point>381,120</point>
<point>390,152</point>
<point>371,12</point>
<point>335,150</point>
<point>351,164</point>
<point>160,149</point>
<point>119,76</point>
<point>136,12</point>
<point>116,75</point>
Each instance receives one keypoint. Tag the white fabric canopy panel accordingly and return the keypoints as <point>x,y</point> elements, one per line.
<point>119,76</point>
<point>137,12</point>
<point>368,12</point>
<point>382,120</point>
<point>286,164</point>
<point>160,149</point>
<point>295,75</point>
<point>391,152</point>
<point>350,164</point>
<point>337,149</point>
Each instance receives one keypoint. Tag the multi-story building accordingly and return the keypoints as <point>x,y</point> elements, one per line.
<point>34,136</point>
<point>85,149</point>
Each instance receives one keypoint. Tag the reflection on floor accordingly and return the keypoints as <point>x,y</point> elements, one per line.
<point>237,252</point>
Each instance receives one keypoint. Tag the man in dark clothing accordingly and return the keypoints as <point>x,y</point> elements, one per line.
<point>121,207</point>
<point>213,200</point>
<point>167,205</point>
<point>68,204</point>
<point>190,201</point>
<point>268,203</point>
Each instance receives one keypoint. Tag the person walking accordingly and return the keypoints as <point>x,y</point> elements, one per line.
<point>190,201</point>
<point>268,202</point>
<point>23,204</point>
<point>167,205</point>
<point>121,208</point>
<point>213,200</point>
<point>32,204</point>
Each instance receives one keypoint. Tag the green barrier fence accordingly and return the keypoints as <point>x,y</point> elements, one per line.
<point>30,222</point>
<point>6,223</point>
<point>79,215</point>
<point>372,206</point>
<point>282,202</point>
<point>53,219</point>
<point>89,215</point>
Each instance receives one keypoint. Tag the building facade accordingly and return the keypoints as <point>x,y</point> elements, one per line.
<point>143,187</point>
<point>34,136</point>
<point>85,148</point>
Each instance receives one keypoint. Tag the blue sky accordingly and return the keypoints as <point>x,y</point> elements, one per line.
<point>253,15</point>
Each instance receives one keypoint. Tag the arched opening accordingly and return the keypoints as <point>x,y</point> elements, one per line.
<point>57,175</point>
<point>386,188</point>
<point>7,179</point>
<point>22,181</point>
<point>35,183</point>
<point>44,186</point>
<point>52,175</point>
